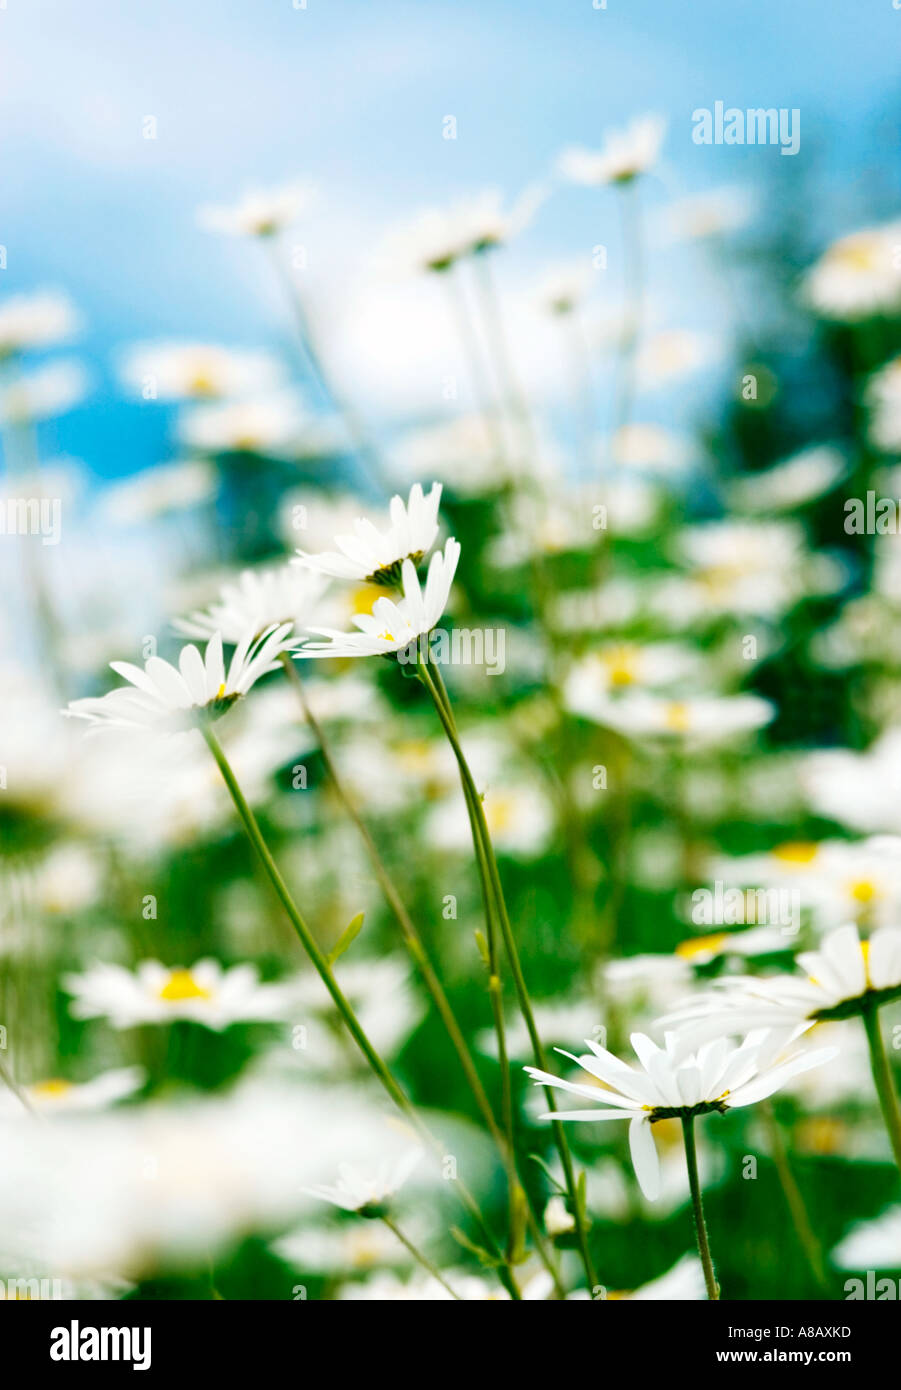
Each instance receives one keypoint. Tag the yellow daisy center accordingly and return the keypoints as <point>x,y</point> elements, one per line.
<point>50,1089</point>
<point>621,664</point>
<point>676,717</point>
<point>182,985</point>
<point>863,890</point>
<point>796,852</point>
<point>701,945</point>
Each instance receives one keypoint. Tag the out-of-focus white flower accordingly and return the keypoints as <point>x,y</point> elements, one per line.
<point>681,1284</point>
<point>709,214</point>
<point>800,479</point>
<point>357,1190</point>
<point>259,601</point>
<point>469,454</point>
<point>154,492</point>
<point>49,390</point>
<point>391,627</point>
<point>67,880</point>
<point>439,237</point>
<point>206,993</point>
<point>55,1096</point>
<point>37,320</point>
<point>883,396</point>
<point>558,1220</point>
<point>644,983</point>
<point>667,356</point>
<point>743,567</point>
<point>142,1188</point>
<point>198,371</point>
<point>707,719</point>
<point>860,790</point>
<point>564,286</point>
<point>839,978</point>
<point>858,276</point>
<point>275,424</point>
<point>520,820</point>
<point>871,1244</point>
<point>650,448</point>
<point>373,556</point>
<point>719,1077</point>
<point>839,880</point>
<point>357,1248</point>
<point>625,154</point>
<point>171,698</point>
<point>755,941</point>
<point>261,212</point>
<point>619,666</point>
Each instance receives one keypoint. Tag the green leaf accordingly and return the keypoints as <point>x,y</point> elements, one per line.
<point>350,932</point>
<point>483,1257</point>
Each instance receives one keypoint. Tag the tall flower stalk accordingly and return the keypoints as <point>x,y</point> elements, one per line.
<point>417,950</point>
<point>323,969</point>
<point>497,915</point>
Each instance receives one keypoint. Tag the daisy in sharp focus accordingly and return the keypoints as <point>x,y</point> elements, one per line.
<point>672,1085</point>
<point>376,557</point>
<point>393,626</point>
<point>206,993</point>
<point>172,699</point>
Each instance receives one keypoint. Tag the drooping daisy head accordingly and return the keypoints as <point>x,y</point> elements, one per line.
<point>368,1193</point>
<point>376,556</point>
<point>172,699</point>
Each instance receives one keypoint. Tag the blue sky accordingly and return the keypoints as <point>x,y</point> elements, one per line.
<point>352,94</point>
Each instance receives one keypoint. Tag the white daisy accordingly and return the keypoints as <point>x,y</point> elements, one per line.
<point>366,1193</point>
<point>49,390</point>
<point>155,492</point>
<point>840,979</point>
<point>391,627</point>
<point>711,213</point>
<point>624,155</point>
<point>708,719</point>
<point>793,483</point>
<point>275,424</point>
<point>36,320</point>
<point>871,1244</point>
<point>172,699</point>
<point>439,237</point>
<point>376,557</point>
<point>259,601</point>
<point>55,1096</point>
<point>206,993</point>
<point>671,1085</point>
<point>260,212</point>
<point>858,276</point>
<point>199,371</point>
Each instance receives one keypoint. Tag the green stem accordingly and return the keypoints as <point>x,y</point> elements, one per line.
<point>416,947</point>
<point>882,1077</point>
<point>493,889</point>
<point>697,1205</point>
<point>324,971</point>
<point>419,1256</point>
